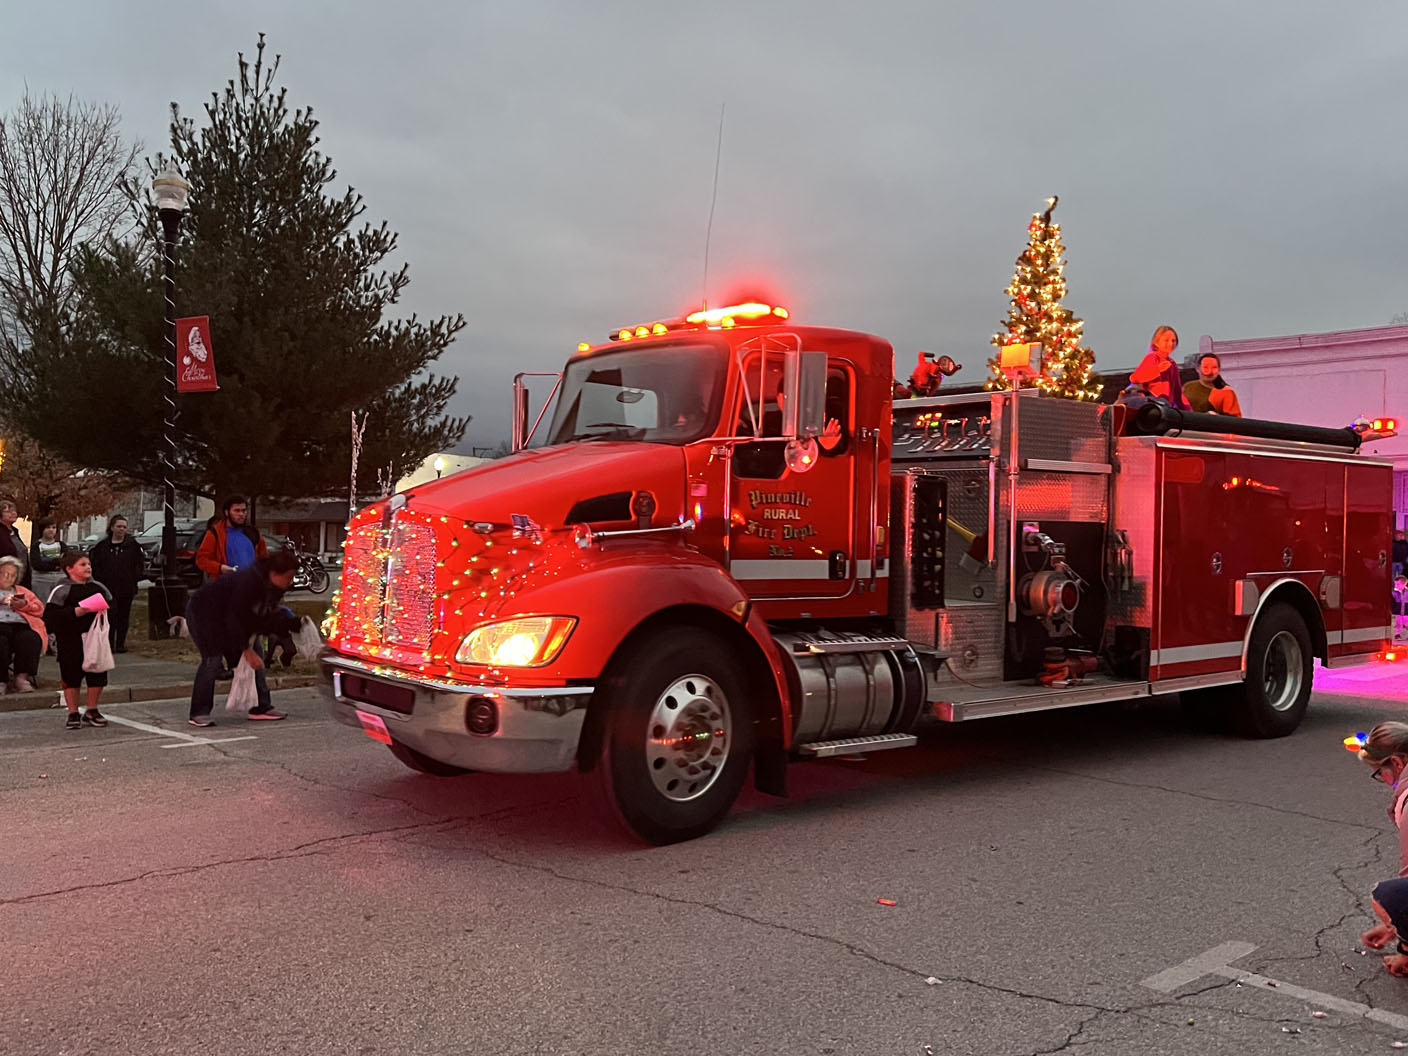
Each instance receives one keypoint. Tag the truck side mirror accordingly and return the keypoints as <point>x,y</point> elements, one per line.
<point>804,373</point>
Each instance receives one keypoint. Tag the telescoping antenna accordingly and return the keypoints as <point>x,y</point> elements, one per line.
<point>713,198</point>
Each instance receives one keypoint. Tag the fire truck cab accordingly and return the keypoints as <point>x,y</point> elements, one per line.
<point>731,545</point>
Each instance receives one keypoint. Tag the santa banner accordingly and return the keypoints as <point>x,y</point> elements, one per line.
<point>195,358</point>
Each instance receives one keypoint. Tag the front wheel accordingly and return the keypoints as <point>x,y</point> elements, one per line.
<point>677,736</point>
<point>318,579</point>
<point>1280,670</point>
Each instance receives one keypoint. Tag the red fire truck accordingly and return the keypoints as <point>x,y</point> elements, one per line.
<point>732,546</point>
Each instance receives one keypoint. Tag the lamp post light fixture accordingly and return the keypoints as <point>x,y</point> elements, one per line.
<point>439,465</point>
<point>171,192</point>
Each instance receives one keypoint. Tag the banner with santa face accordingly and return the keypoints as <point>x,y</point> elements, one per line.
<point>195,356</point>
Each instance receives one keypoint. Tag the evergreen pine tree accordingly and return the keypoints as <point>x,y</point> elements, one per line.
<point>297,297</point>
<point>1036,314</point>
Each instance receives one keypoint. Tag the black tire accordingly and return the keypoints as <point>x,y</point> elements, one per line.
<point>677,736</point>
<point>1280,668</point>
<point>318,580</point>
<point>423,763</point>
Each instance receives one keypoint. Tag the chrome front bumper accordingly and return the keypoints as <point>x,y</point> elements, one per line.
<point>537,732</point>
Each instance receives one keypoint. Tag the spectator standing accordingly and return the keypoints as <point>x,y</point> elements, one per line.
<point>46,557</point>
<point>69,623</point>
<point>1158,373</point>
<point>11,545</point>
<point>1400,551</point>
<point>117,564</point>
<point>230,543</point>
<point>224,615</point>
<point>22,631</point>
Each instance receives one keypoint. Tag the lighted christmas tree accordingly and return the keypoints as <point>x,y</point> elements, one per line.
<point>1037,314</point>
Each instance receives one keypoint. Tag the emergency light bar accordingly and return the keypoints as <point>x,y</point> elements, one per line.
<point>721,316</point>
<point>725,318</point>
<point>1375,428</point>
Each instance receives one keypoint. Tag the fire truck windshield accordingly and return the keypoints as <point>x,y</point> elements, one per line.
<point>662,394</point>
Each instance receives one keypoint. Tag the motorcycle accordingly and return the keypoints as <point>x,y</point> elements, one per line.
<point>311,575</point>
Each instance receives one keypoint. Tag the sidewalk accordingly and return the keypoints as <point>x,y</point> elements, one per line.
<point>141,678</point>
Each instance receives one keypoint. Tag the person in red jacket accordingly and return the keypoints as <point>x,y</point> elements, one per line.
<point>1158,373</point>
<point>230,543</point>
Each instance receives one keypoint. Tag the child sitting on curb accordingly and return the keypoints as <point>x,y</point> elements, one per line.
<point>65,616</point>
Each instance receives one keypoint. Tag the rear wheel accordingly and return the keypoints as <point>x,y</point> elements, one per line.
<point>318,579</point>
<point>423,763</point>
<point>1280,669</point>
<point>677,736</point>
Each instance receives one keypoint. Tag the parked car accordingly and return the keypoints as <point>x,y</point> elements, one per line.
<point>189,533</point>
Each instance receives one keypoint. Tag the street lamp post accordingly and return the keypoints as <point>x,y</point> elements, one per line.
<point>439,466</point>
<point>171,192</point>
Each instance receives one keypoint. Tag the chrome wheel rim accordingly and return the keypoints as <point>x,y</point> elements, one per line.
<point>688,738</point>
<point>1283,671</point>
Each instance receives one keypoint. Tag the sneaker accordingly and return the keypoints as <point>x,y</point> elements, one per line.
<point>73,722</point>
<point>94,717</point>
<point>119,649</point>
<point>267,716</point>
<point>201,721</point>
<point>23,684</point>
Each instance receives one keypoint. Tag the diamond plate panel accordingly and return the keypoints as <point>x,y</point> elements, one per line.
<point>1062,496</point>
<point>1068,430</point>
<point>971,636</point>
<point>1136,503</point>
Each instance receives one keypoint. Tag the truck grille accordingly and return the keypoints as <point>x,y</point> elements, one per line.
<point>388,592</point>
<point>410,586</point>
<point>363,590</point>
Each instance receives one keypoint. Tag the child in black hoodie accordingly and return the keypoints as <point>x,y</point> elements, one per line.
<point>68,623</point>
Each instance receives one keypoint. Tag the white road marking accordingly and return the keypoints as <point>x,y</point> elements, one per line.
<point>186,738</point>
<point>199,740</point>
<point>1215,962</point>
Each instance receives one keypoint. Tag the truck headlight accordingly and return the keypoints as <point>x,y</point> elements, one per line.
<point>530,641</point>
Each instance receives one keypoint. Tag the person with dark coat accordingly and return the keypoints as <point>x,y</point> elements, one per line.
<point>69,618</point>
<point>118,563</point>
<point>11,545</point>
<point>225,615</point>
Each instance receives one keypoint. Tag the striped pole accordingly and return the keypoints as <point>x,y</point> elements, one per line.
<point>170,223</point>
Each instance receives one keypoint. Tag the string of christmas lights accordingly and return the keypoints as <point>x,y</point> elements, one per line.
<point>1036,314</point>
<point>399,604</point>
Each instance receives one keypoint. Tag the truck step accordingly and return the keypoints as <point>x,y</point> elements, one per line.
<point>856,643</point>
<point>848,745</point>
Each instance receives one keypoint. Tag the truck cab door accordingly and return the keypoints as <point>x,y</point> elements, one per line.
<point>792,527</point>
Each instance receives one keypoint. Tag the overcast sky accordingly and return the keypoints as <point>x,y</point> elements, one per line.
<point>1233,168</point>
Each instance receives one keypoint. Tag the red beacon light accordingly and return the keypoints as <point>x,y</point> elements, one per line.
<point>732,314</point>
<point>750,313</point>
<point>1375,428</point>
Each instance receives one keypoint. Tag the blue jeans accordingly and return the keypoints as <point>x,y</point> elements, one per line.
<point>211,660</point>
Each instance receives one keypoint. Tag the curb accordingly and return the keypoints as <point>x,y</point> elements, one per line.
<point>41,699</point>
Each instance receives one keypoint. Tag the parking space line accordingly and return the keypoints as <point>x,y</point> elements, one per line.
<point>186,738</point>
<point>194,741</point>
<point>1215,962</point>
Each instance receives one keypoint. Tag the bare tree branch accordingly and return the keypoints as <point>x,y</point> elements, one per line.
<point>63,163</point>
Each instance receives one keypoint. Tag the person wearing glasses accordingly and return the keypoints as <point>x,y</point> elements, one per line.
<point>1385,752</point>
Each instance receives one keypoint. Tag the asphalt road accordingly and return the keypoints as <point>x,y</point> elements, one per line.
<point>301,892</point>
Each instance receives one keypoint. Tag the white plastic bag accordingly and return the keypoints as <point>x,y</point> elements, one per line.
<point>97,653</point>
<point>307,639</point>
<point>243,693</point>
